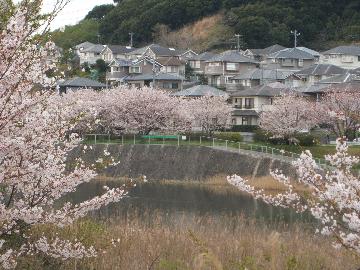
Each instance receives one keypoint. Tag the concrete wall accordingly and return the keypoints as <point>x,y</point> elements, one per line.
<point>180,163</point>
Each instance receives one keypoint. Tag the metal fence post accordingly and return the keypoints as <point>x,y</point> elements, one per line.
<point>200,140</point>
<point>149,140</point>
<point>239,147</point>
<point>213,142</point>
<point>226,144</point>
<point>122,139</point>
<point>109,138</point>
<point>134,139</point>
<point>95,138</point>
<point>178,140</point>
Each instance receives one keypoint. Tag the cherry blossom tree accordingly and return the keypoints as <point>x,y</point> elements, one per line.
<point>334,199</point>
<point>143,110</point>
<point>210,113</point>
<point>339,109</point>
<point>288,116</point>
<point>34,146</point>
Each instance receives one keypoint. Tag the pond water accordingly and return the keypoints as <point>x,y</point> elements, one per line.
<point>171,200</point>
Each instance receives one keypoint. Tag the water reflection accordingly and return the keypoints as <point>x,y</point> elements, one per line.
<point>175,199</point>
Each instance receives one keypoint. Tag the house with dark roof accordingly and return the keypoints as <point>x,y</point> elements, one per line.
<point>172,65</point>
<point>221,67</point>
<point>347,57</point>
<point>259,76</point>
<point>200,91</point>
<point>249,103</point>
<point>90,54</point>
<point>261,54</point>
<point>198,62</point>
<point>339,79</point>
<point>318,72</point>
<point>155,51</point>
<point>160,80</point>
<point>293,59</point>
<point>79,83</point>
<point>112,52</point>
<point>119,69</point>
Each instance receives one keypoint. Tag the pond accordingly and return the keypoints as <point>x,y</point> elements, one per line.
<point>174,199</point>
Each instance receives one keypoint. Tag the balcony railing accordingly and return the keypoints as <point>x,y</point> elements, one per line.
<point>214,70</point>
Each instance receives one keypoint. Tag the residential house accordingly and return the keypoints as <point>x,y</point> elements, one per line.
<point>318,72</point>
<point>262,54</point>
<point>198,62</point>
<point>318,90</point>
<point>159,81</point>
<point>119,69</point>
<point>112,52</point>
<point>292,59</point>
<point>347,57</point>
<point>221,67</point>
<point>186,55</point>
<point>90,54</point>
<point>249,103</point>
<point>200,91</point>
<point>155,51</point>
<point>259,76</point>
<point>79,83</point>
<point>340,79</point>
<point>85,45</point>
<point>172,65</point>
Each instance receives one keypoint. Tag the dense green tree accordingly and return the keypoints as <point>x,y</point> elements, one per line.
<point>86,30</point>
<point>99,12</point>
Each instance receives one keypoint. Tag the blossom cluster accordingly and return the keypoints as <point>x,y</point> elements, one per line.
<point>334,198</point>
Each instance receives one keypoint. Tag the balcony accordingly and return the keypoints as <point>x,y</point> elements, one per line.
<point>214,70</point>
<point>117,75</point>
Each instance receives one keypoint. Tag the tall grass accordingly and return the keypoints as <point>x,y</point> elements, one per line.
<point>200,243</point>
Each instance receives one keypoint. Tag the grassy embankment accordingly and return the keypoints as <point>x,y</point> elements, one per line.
<point>230,243</point>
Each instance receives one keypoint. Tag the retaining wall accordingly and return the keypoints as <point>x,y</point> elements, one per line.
<point>159,162</point>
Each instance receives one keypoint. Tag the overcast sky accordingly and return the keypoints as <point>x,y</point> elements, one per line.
<point>74,11</point>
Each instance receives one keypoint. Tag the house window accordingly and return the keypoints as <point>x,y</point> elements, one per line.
<point>249,103</point>
<point>301,62</point>
<point>238,103</point>
<point>135,70</point>
<point>173,69</point>
<point>271,101</point>
<point>197,64</point>
<point>192,64</point>
<point>246,121</point>
<point>233,121</point>
<point>169,85</point>
<point>214,64</point>
<point>230,66</point>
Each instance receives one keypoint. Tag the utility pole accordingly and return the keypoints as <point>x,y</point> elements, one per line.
<point>98,36</point>
<point>296,34</point>
<point>238,36</point>
<point>131,34</point>
<point>154,73</point>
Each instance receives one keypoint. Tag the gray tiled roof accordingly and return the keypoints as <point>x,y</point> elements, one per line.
<point>314,53</point>
<point>231,56</point>
<point>158,76</point>
<point>201,90</point>
<point>316,88</point>
<point>348,77</point>
<point>119,49</point>
<point>96,48</point>
<point>268,50</point>
<point>292,53</point>
<point>321,69</point>
<point>84,45</point>
<point>355,71</point>
<point>158,50</point>
<point>268,90</point>
<point>203,56</point>
<point>81,83</point>
<point>266,74</point>
<point>121,62</point>
<point>348,50</point>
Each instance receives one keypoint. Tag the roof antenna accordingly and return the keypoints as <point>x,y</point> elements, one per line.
<point>296,34</point>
